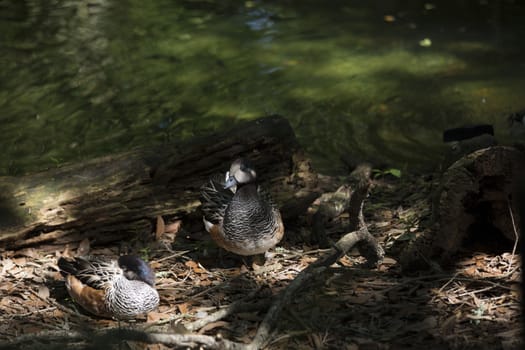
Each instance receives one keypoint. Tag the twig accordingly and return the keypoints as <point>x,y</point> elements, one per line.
<point>175,255</point>
<point>373,253</point>
<point>316,268</point>
<point>176,340</point>
<point>37,311</point>
<point>361,175</point>
<point>61,307</point>
<point>43,237</point>
<point>230,309</point>
<point>265,328</point>
<point>515,235</point>
<point>103,339</point>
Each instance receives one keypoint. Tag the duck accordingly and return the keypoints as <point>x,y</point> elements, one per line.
<point>120,288</point>
<point>239,216</point>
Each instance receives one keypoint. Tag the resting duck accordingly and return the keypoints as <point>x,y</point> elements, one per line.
<point>120,289</point>
<point>238,215</point>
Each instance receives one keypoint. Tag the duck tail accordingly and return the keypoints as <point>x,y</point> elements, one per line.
<point>71,266</point>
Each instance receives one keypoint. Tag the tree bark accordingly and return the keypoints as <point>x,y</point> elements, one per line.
<point>478,187</point>
<point>109,198</point>
<point>476,197</point>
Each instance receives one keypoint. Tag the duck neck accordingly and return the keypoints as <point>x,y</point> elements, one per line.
<point>246,191</point>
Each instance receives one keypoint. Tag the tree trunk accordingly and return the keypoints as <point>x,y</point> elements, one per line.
<point>110,198</point>
<point>479,188</point>
<point>475,204</point>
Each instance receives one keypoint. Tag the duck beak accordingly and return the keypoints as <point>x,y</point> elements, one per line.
<point>230,182</point>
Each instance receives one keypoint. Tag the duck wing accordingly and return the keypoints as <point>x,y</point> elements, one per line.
<point>215,198</point>
<point>95,272</point>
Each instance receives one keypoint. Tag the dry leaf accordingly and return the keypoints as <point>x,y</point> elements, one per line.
<point>472,271</point>
<point>155,265</point>
<point>178,328</point>
<point>20,261</point>
<point>58,314</point>
<point>389,261</point>
<point>43,292</point>
<point>83,247</point>
<point>28,252</point>
<point>156,316</point>
<point>66,253</point>
<point>196,267</point>
<point>259,270</point>
<point>5,303</point>
<point>154,346</point>
<point>212,325</point>
<point>204,282</point>
<point>174,227</point>
<point>6,285</point>
<point>183,308</point>
<point>161,227</point>
<point>7,264</point>
<point>316,339</point>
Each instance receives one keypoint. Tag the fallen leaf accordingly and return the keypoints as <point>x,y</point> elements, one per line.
<point>149,346</point>
<point>154,316</point>
<point>161,227</point>
<point>83,247</point>
<point>183,308</point>
<point>5,303</point>
<point>66,253</point>
<point>43,292</point>
<point>7,264</point>
<point>178,328</point>
<point>20,261</point>
<point>316,339</point>
<point>472,271</point>
<point>58,314</point>
<point>259,270</point>
<point>174,227</point>
<point>28,252</point>
<point>389,261</point>
<point>6,285</point>
<point>205,282</point>
<point>212,325</point>
<point>154,264</point>
<point>196,267</point>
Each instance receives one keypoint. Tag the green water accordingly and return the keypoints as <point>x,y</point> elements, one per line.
<point>80,79</point>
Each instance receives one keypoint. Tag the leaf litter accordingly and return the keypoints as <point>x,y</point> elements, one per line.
<point>474,305</point>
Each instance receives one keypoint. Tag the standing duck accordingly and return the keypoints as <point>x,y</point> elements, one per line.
<point>238,215</point>
<point>120,289</point>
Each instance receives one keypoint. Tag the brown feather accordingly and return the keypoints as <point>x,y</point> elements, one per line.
<point>91,299</point>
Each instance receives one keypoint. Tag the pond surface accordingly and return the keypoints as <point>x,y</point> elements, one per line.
<point>357,79</point>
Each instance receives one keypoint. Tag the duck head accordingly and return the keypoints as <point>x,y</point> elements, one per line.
<point>241,172</point>
<point>136,269</point>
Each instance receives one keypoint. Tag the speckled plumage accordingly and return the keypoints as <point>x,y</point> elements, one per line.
<point>238,215</point>
<point>121,289</point>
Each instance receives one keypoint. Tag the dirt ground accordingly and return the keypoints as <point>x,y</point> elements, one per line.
<point>473,304</point>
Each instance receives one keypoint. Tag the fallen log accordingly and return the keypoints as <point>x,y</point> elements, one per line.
<point>110,198</point>
<point>475,204</point>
